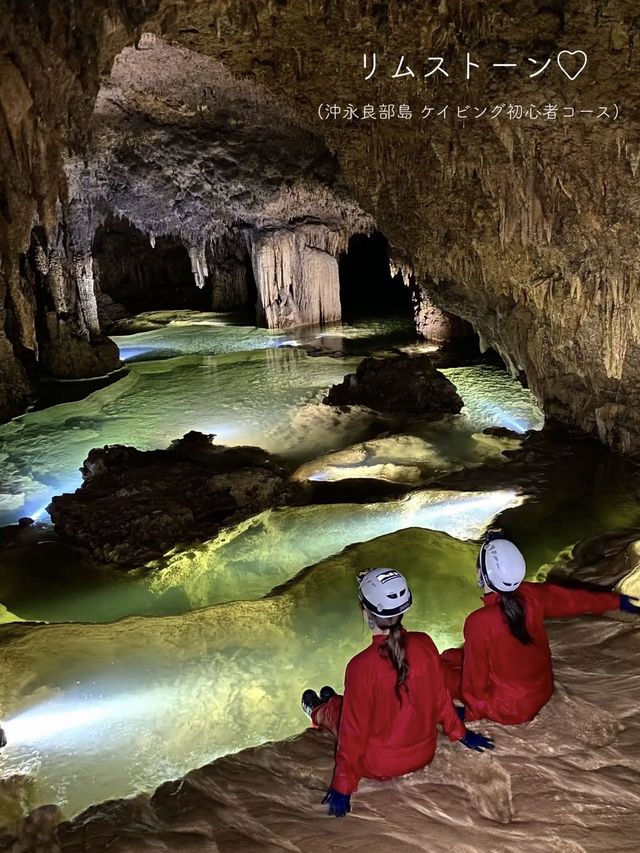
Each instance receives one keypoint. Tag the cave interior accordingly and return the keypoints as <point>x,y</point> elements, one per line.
<point>271,314</point>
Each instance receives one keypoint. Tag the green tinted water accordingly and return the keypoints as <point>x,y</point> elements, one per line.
<point>103,710</point>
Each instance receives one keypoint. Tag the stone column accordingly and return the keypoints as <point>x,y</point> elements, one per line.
<point>296,273</point>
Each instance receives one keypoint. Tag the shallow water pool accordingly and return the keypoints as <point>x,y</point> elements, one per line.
<point>232,630</point>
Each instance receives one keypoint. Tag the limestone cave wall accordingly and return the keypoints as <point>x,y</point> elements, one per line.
<point>526,228</point>
<point>51,58</point>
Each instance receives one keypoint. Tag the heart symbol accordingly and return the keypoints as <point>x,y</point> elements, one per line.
<point>571,54</point>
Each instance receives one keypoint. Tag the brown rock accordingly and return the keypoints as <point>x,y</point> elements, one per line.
<point>134,505</point>
<point>399,385</point>
<point>268,798</point>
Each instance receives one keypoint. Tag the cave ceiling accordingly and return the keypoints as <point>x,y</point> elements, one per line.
<point>526,227</point>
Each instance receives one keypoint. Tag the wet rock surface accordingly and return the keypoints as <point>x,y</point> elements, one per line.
<point>561,782</point>
<point>399,385</point>
<point>607,558</point>
<point>134,505</point>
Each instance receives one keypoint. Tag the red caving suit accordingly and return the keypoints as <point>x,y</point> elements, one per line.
<point>498,677</point>
<point>379,737</point>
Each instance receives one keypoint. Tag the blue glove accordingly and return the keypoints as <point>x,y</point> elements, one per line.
<point>339,804</point>
<point>460,709</point>
<point>474,740</point>
<point>629,604</point>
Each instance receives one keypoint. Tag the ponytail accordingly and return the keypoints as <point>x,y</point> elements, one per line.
<point>394,648</point>
<point>513,608</point>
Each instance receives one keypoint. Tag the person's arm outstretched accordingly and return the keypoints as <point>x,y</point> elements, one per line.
<point>561,602</point>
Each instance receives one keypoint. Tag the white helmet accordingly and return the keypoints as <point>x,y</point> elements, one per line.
<point>384,592</point>
<point>502,565</point>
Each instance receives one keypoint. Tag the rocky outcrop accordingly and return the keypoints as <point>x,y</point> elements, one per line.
<point>405,384</point>
<point>580,752</point>
<point>134,505</point>
<point>434,324</point>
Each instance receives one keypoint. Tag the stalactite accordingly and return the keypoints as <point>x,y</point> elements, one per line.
<point>198,257</point>
<point>296,273</point>
<point>403,269</point>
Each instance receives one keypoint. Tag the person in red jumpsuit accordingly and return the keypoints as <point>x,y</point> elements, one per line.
<point>504,672</point>
<point>394,697</point>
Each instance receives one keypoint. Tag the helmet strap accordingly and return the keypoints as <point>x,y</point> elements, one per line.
<point>486,583</point>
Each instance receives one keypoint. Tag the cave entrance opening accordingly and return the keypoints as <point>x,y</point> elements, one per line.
<point>139,273</point>
<point>367,287</point>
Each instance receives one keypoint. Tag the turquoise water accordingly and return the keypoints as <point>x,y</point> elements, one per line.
<point>97,711</point>
<point>270,397</point>
<point>246,620</point>
<point>220,639</point>
<point>244,562</point>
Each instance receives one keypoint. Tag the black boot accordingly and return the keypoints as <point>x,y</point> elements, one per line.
<point>310,701</point>
<point>327,693</point>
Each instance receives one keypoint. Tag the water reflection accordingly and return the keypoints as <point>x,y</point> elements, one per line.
<point>269,398</point>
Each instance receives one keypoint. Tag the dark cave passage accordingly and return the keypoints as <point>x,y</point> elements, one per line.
<point>143,275</point>
<point>367,287</point>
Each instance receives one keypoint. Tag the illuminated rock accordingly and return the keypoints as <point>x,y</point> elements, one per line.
<point>97,711</point>
<point>134,505</point>
<point>296,274</point>
<point>408,459</point>
<point>400,385</point>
